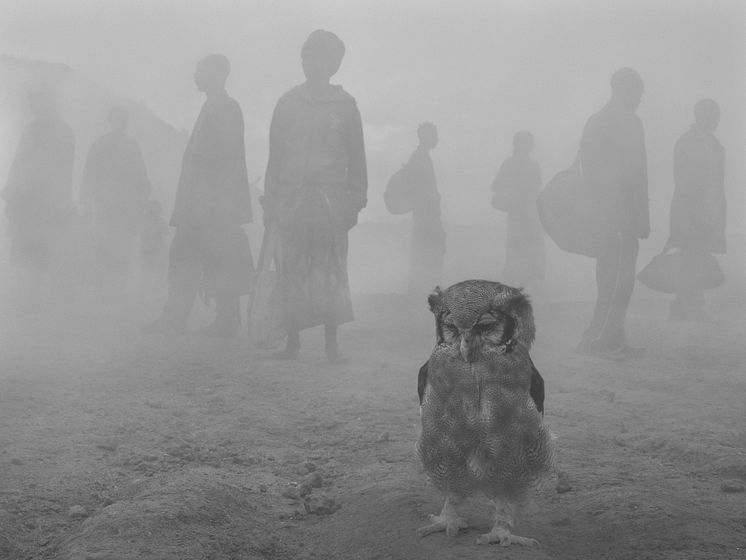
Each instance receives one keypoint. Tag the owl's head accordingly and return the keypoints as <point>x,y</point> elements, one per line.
<point>482,319</point>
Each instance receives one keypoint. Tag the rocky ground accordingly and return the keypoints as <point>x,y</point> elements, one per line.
<point>119,445</point>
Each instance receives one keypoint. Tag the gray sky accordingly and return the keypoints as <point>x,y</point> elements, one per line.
<point>479,69</point>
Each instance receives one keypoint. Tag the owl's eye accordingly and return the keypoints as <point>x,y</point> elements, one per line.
<point>450,330</point>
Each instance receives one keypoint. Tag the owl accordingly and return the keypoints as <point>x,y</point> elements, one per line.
<point>481,406</point>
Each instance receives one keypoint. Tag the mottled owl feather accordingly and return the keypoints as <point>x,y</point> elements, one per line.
<point>536,390</point>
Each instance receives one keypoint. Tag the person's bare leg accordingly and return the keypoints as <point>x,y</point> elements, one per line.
<point>292,346</point>
<point>330,342</point>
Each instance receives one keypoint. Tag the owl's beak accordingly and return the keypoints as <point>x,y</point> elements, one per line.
<point>466,349</point>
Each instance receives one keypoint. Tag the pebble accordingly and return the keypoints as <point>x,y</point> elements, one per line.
<point>563,484</point>
<point>77,512</point>
<point>314,480</point>
<point>732,486</point>
<point>292,491</point>
<point>108,446</point>
<point>321,505</point>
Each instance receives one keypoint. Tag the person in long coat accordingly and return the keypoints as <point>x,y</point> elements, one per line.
<point>210,251</point>
<point>315,186</point>
<point>428,245</point>
<point>698,206</point>
<point>115,184</point>
<point>517,184</point>
<point>614,161</point>
<point>39,203</point>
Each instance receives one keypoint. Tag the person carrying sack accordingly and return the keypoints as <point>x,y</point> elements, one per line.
<point>687,267</point>
<point>614,163</point>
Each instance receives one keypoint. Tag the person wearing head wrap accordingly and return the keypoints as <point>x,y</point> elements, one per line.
<point>115,185</point>
<point>315,186</point>
<point>614,162</point>
<point>210,251</point>
<point>698,205</point>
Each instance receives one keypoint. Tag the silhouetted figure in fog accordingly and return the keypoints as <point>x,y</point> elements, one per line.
<point>315,186</point>
<point>517,186</point>
<point>39,204</point>
<point>614,162</point>
<point>115,184</point>
<point>428,236</point>
<point>153,249</point>
<point>210,251</point>
<point>698,206</point>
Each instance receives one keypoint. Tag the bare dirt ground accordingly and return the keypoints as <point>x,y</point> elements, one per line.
<point>196,448</point>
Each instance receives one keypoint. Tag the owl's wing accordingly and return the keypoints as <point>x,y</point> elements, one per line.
<point>537,387</point>
<point>422,381</point>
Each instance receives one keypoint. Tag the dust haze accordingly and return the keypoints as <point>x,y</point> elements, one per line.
<point>153,405</point>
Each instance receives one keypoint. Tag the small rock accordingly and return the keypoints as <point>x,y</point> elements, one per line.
<point>732,487</point>
<point>321,505</point>
<point>305,489</point>
<point>263,488</point>
<point>385,436</point>
<point>292,491</point>
<point>77,512</point>
<point>108,446</point>
<point>563,484</point>
<point>310,466</point>
<point>563,487</point>
<point>314,480</point>
<point>561,522</point>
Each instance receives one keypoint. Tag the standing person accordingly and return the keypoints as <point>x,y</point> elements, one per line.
<point>210,250</point>
<point>116,185</point>
<point>39,203</point>
<point>698,206</point>
<point>428,236</point>
<point>315,186</point>
<point>516,189</point>
<point>614,162</point>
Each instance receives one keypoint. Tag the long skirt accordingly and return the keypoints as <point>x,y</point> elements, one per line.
<point>312,262</point>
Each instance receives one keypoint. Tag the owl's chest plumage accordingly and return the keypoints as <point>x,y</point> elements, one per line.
<point>479,396</point>
<point>480,427</point>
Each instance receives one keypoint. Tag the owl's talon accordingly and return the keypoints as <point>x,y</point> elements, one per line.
<point>504,537</point>
<point>451,524</point>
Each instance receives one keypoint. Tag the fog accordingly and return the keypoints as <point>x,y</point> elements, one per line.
<point>480,71</point>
